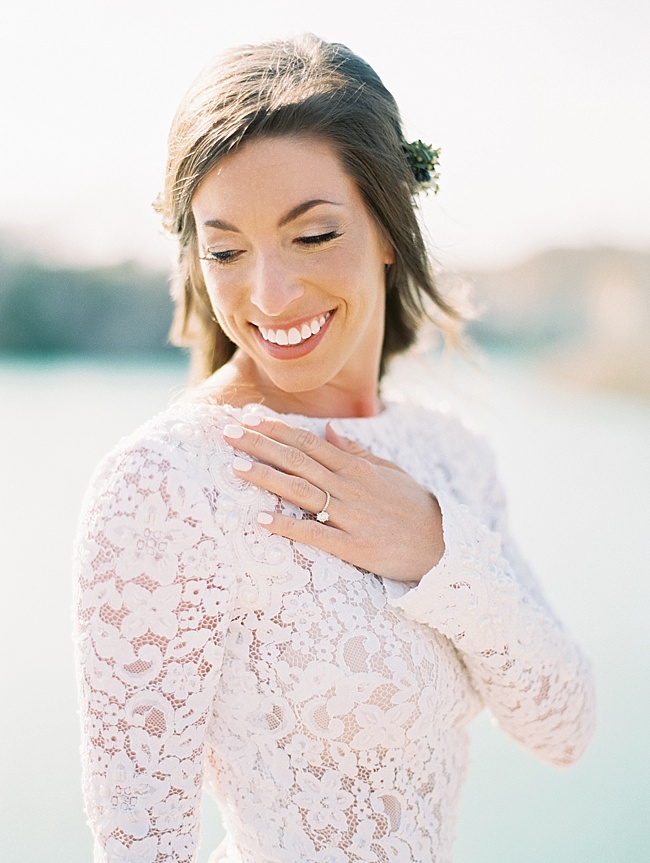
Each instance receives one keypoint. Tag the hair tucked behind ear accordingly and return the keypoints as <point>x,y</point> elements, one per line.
<point>302,87</point>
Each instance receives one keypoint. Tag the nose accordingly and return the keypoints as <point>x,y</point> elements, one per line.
<point>275,285</point>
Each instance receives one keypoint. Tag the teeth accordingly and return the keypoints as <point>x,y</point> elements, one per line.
<point>294,336</point>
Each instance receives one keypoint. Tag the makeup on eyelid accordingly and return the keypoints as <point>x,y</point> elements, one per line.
<point>298,290</point>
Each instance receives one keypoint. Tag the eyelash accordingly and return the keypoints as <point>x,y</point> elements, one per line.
<point>229,256</point>
<point>319,239</point>
<point>218,257</point>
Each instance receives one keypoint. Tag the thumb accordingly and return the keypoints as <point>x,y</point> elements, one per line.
<point>350,446</point>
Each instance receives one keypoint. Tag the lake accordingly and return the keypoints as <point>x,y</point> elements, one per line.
<point>576,467</point>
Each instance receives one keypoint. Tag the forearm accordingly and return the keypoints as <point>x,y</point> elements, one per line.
<point>529,672</point>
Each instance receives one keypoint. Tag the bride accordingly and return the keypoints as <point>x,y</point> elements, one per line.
<point>291,591</point>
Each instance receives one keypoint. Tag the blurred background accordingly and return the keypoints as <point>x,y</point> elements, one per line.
<point>541,111</point>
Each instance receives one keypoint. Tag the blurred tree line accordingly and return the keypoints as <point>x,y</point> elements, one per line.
<point>563,296</point>
<point>586,310</point>
<point>122,309</point>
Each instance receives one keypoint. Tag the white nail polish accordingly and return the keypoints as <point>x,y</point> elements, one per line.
<point>264,518</point>
<point>233,431</point>
<point>252,420</point>
<point>242,464</point>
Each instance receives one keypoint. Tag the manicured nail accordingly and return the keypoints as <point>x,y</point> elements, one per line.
<point>264,518</point>
<point>252,420</point>
<point>242,464</point>
<point>233,431</point>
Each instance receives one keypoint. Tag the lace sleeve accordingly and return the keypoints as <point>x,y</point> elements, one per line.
<point>151,606</point>
<point>483,597</point>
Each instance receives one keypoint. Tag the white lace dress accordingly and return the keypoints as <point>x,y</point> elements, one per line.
<point>323,707</point>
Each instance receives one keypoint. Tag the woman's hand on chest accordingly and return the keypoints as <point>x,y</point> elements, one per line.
<point>369,511</point>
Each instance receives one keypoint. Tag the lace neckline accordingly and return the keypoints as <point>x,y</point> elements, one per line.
<point>387,409</point>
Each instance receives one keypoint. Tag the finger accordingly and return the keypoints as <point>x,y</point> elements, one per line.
<point>351,446</point>
<point>289,459</point>
<point>306,530</point>
<point>295,489</point>
<point>329,539</point>
<point>318,449</point>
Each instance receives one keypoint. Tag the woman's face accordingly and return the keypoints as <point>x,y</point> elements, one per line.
<point>295,267</point>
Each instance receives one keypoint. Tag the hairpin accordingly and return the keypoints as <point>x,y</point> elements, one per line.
<point>423,162</point>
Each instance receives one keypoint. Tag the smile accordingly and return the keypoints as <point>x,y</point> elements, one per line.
<point>294,335</point>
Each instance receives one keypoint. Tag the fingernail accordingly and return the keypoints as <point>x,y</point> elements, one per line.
<point>233,431</point>
<point>252,420</point>
<point>264,518</point>
<point>242,464</point>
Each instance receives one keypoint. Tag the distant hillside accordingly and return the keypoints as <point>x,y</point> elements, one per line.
<point>562,295</point>
<point>123,309</point>
<point>585,312</point>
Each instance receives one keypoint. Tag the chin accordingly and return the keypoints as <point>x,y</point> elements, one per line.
<point>296,384</point>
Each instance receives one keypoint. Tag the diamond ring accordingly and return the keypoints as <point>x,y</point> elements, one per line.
<point>324,515</point>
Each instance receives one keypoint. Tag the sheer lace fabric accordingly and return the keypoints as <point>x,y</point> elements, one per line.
<point>323,707</point>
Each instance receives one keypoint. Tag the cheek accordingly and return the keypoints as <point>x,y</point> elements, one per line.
<point>365,277</point>
<point>219,290</point>
<point>223,303</point>
<point>345,273</point>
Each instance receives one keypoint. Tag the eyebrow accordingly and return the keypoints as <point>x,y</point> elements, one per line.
<point>303,208</point>
<point>294,213</point>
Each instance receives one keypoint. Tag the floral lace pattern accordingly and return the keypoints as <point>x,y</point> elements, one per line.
<point>322,706</point>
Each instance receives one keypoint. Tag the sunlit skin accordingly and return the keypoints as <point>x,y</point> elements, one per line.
<point>288,246</point>
<point>286,238</point>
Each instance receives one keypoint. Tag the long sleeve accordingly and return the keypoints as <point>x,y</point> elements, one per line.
<point>483,597</point>
<point>151,607</point>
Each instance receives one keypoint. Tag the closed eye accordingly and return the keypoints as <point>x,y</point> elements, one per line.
<point>220,257</point>
<point>318,239</point>
<point>228,256</point>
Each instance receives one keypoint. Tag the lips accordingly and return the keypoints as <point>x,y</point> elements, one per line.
<point>296,340</point>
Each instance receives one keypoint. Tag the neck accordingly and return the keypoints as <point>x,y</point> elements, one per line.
<point>238,384</point>
<point>323,402</point>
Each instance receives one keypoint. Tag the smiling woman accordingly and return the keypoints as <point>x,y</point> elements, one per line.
<point>298,247</point>
<point>307,90</point>
<point>287,587</point>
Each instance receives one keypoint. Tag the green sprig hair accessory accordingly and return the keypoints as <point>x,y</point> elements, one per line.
<point>423,161</point>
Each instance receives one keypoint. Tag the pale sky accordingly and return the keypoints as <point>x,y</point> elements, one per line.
<point>541,108</point>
